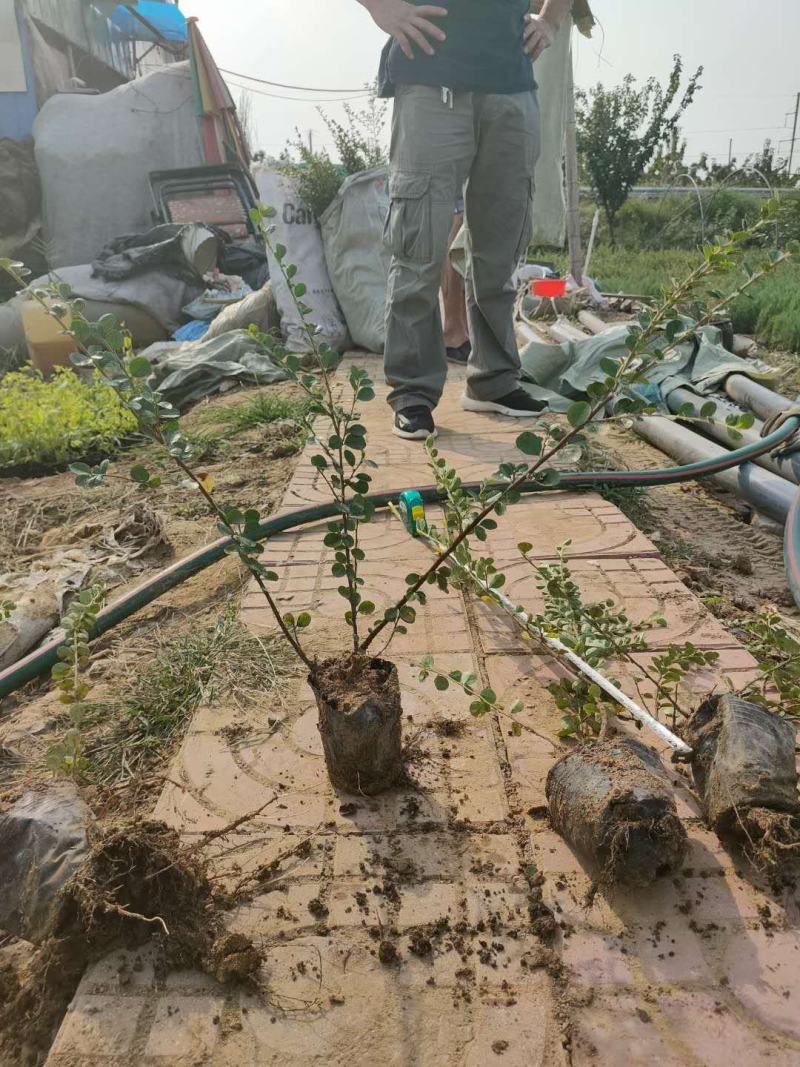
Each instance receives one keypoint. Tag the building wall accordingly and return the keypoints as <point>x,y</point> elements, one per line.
<point>17,107</point>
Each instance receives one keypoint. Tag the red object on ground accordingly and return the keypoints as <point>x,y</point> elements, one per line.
<point>549,287</point>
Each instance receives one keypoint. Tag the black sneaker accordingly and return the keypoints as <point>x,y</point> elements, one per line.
<point>415,424</point>
<point>460,354</point>
<point>517,405</point>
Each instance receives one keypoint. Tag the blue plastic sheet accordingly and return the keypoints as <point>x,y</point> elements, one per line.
<point>192,331</point>
<point>168,22</point>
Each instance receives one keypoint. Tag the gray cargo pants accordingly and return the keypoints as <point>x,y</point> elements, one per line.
<point>487,146</point>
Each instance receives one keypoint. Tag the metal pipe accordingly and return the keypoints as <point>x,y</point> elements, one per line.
<point>787,467</point>
<point>767,492</point>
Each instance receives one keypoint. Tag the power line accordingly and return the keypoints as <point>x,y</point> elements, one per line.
<point>297,88</point>
<point>739,129</point>
<point>296,99</point>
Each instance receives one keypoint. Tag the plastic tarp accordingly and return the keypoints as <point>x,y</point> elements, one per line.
<point>149,304</point>
<point>12,65</point>
<point>43,842</point>
<point>560,374</point>
<point>95,154</point>
<point>552,77</point>
<point>189,371</point>
<point>167,21</point>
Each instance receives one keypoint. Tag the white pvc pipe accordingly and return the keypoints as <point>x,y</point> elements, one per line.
<point>639,713</point>
<point>594,675</point>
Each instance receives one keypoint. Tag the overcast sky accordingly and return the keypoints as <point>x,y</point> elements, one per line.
<point>750,51</point>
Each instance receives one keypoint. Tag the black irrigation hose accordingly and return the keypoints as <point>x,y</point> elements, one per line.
<point>43,659</point>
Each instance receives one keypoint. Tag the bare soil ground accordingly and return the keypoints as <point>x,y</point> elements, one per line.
<point>42,517</point>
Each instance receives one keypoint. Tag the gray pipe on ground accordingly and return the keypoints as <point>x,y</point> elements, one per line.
<point>788,467</point>
<point>767,492</point>
<point>756,398</point>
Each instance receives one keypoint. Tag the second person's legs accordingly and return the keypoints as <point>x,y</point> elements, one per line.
<point>499,220</point>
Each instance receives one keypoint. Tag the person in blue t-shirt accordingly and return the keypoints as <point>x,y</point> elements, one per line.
<point>465,124</point>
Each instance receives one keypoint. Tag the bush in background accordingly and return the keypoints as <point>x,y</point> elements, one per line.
<point>673,221</point>
<point>50,423</point>
<point>316,177</point>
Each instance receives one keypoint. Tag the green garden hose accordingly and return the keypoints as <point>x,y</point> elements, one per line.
<point>42,659</point>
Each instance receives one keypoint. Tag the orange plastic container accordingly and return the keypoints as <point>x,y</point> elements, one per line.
<point>48,345</point>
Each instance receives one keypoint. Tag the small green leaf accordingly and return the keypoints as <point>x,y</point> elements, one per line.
<point>578,413</point>
<point>140,474</point>
<point>441,682</point>
<point>530,444</point>
<point>139,367</point>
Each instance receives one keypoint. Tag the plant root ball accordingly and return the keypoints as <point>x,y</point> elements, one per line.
<point>614,803</point>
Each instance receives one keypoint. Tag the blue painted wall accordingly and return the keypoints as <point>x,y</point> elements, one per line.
<point>18,110</point>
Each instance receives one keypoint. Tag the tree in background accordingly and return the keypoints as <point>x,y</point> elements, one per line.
<point>621,129</point>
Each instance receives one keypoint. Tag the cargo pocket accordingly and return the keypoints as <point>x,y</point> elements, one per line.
<point>409,222</point>
<point>526,234</point>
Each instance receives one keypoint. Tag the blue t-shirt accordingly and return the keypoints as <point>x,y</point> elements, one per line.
<point>483,53</point>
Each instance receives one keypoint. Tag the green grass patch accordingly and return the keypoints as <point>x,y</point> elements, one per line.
<point>261,410</point>
<point>674,220</point>
<point>45,424</point>
<point>770,311</point>
<point>201,666</point>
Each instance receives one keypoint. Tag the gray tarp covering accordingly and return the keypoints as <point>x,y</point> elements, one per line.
<point>560,374</point>
<point>552,77</point>
<point>149,304</point>
<point>190,370</point>
<point>95,154</point>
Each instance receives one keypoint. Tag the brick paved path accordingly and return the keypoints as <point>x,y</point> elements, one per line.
<point>700,970</point>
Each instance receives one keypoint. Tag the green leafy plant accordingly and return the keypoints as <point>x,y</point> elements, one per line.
<point>340,454</point>
<point>777,650</point>
<point>357,144</point>
<point>51,422</point>
<point>67,756</point>
<point>620,129</point>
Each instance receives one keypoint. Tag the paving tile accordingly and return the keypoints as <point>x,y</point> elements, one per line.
<point>670,951</point>
<point>714,1034</point>
<point>516,1029</point>
<point>622,1028</point>
<point>596,959</point>
<point>762,968</point>
<point>185,1030</point>
<point>97,1026</point>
